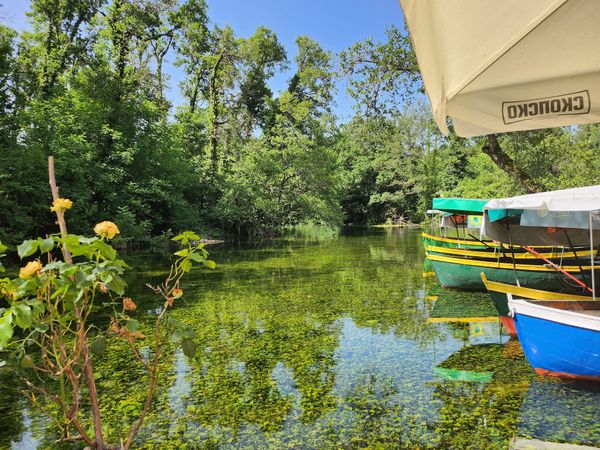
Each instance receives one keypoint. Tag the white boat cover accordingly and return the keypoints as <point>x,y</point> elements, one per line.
<point>500,66</point>
<point>576,199</point>
<point>581,200</point>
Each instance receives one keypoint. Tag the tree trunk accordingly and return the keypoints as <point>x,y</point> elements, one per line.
<point>214,112</point>
<point>506,163</point>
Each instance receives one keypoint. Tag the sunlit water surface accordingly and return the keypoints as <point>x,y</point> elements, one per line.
<point>320,340</point>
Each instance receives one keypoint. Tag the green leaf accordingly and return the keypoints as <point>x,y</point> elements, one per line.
<point>25,287</point>
<point>117,285</point>
<point>27,248</point>
<point>71,242</point>
<point>183,252</point>
<point>86,240</point>
<point>105,250</point>
<point>186,236</point>
<point>22,315</point>
<point>98,345</point>
<point>37,307</point>
<point>46,244</point>
<point>68,269</point>
<point>197,257</point>
<point>6,330</point>
<point>189,347</point>
<point>185,265</point>
<point>3,248</point>
<point>53,265</point>
<point>191,235</point>
<point>177,336</point>
<point>132,325</point>
<point>211,264</point>
<point>41,327</point>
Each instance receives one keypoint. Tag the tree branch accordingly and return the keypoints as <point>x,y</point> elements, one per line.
<point>506,163</point>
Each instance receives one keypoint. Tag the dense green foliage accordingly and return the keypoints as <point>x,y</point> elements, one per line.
<point>87,84</point>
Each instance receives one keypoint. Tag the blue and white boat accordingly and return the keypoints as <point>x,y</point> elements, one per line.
<point>559,338</point>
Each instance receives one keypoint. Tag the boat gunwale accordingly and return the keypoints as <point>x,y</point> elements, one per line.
<point>567,317</point>
<point>529,293</point>
<point>504,266</point>
<point>496,255</point>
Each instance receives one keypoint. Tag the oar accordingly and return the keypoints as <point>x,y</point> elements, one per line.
<point>558,268</point>
<point>489,246</point>
<point>477,239</point>
<point>574,251</point>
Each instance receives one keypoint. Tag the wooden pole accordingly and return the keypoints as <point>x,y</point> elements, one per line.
<point>81,332</point>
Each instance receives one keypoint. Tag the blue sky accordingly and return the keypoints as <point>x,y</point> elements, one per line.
<point>335,24</point>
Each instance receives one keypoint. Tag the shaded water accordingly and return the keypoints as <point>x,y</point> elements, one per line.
<point>322,340</point>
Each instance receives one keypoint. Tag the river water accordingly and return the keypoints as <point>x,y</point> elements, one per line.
<point>324,339</point>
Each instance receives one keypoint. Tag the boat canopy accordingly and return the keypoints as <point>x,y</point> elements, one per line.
<point>463,206</point>
<point>546,218</point>
<point>500,66</point>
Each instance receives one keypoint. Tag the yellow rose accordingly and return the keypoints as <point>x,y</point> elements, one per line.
<point>177,292</point>
<point>106,229</point>
<point>61,204</point>
<point>30,269</point>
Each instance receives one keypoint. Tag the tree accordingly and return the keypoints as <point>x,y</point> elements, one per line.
<point>313,80</point>
<point>60,40</point>
<point>382,76</point>
<point>283,178</point>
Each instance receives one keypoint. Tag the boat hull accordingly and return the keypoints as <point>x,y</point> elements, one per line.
<point>461,273</point>
<point>558,343</point>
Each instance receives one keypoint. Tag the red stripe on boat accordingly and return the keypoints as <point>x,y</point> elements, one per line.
<point>509,324</point>
<point>564,375</point>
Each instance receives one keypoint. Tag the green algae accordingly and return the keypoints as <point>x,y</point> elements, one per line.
<point>459,304</point>
<point>322,340</point>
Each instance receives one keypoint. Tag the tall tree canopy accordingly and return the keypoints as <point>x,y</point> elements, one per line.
<point>88,83</point>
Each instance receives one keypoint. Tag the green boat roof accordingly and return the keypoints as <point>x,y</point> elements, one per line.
<point>459,205</point>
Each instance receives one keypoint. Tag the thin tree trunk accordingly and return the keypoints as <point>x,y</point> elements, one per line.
<point>506,163</point>
<point>214,112</point>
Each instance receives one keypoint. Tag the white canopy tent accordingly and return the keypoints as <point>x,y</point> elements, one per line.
<point>509,65</point>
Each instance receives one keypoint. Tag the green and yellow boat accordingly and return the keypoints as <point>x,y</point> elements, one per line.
<point>465,273</point>
<point>460,226</point>
<point>458,216</point>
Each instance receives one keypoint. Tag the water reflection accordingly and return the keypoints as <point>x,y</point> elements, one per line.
<point>322,340</point>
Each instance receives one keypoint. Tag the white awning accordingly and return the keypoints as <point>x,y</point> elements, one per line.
<point>508,65</point>
<point>576,199</point>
